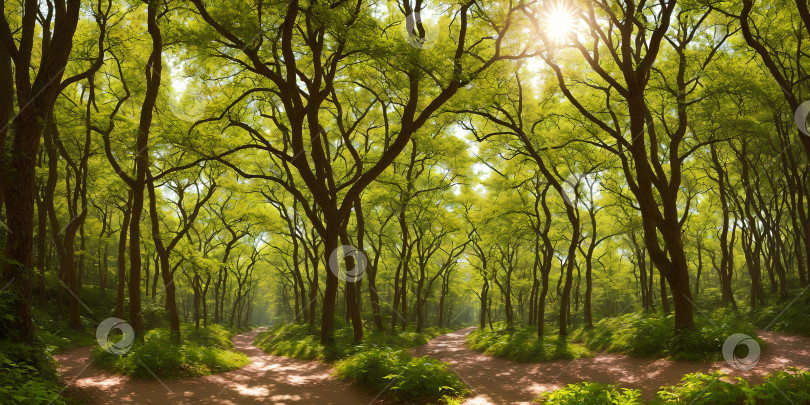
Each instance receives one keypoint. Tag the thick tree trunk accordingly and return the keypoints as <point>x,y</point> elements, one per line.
<point>330,293</point>
<point>42,252</point>
<point>19,176</point>
<point>122,259</point>
<point>483,297</point>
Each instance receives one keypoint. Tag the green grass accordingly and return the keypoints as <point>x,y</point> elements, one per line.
<point>379,362</point>
<point>591,393</point>
<point>520,343</point>
<point>793,319</point>
<point>55,335</point>
<point>652,335</point>
<point>202,352</point>
<point>791,386</point>
<point>415,379</point>
<point>302,342</point>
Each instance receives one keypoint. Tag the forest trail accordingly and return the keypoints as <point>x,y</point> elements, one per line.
<point>267,379</point>
<point>499,381</point>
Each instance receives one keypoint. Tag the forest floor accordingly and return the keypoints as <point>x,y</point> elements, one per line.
<point>280,380</point>
<point>499,381</point>
<point>267,379</point>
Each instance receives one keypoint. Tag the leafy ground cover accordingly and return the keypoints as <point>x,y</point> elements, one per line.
<point>520,343</point>
<point>202,352</point>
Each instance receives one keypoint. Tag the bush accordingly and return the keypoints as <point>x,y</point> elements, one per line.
<point>793,319</point>
<point>55,335</point>
<point>520,343</point>
<point>652,335</point>
<point>699,388</point>
<point>21,383</point>
<point>780,388</point>
<point>202,352</point>
<point>592,393</point>
<point>415,379</point>
<point>784,387</point>
<point>302,342</point>
<point>378,363</point>
<point>290,340</point>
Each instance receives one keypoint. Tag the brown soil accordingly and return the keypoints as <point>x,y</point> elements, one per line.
<point>267,380</point>
<point>499,381</point>
<point>279,380</point>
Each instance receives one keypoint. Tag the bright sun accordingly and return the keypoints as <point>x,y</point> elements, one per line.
<point>560,22</point>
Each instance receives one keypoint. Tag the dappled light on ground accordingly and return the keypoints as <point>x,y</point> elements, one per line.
<point>498,381</point>
<point>267,380</point>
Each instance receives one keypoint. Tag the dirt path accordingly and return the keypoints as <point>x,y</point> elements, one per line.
<point>267,380</point>
<point>498,381</point>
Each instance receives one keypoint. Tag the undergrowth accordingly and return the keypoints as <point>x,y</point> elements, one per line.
<point>520,343</point>
<point>791,386</point>
<point>652,335</point>
<point>415,379</point>
<point>379,363</point>
<point>201,352</point>
<point>302,342</point>
<point>22,383</point>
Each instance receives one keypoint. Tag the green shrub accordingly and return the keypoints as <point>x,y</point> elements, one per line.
<point>202,352</point>
<point>302,342</point>
<point>290,340</point>
<point>591,394</point>
<point>21,383</point>
<point>780,388</point>
<point>652,335</point>
<point>783,387</point>
<point>214,335</point>
<point>415,379</point>
<point>698,388</point>
<point>520,343</point>
<point>778,317</point>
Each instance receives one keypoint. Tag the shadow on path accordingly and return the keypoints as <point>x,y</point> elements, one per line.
<point>267,379</point>
<point>499,381</point>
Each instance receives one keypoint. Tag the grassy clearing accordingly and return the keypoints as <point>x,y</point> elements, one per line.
<point>651,335</point>
<point>791,386</point>
<point>202,352</point>
<point>520,343</point>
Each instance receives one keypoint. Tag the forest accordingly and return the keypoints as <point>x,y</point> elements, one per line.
<point>404,201</point>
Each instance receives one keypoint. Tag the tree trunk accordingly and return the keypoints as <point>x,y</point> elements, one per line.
<point>122,259</point>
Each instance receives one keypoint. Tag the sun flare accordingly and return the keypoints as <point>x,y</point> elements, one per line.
<point>560,22</point>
